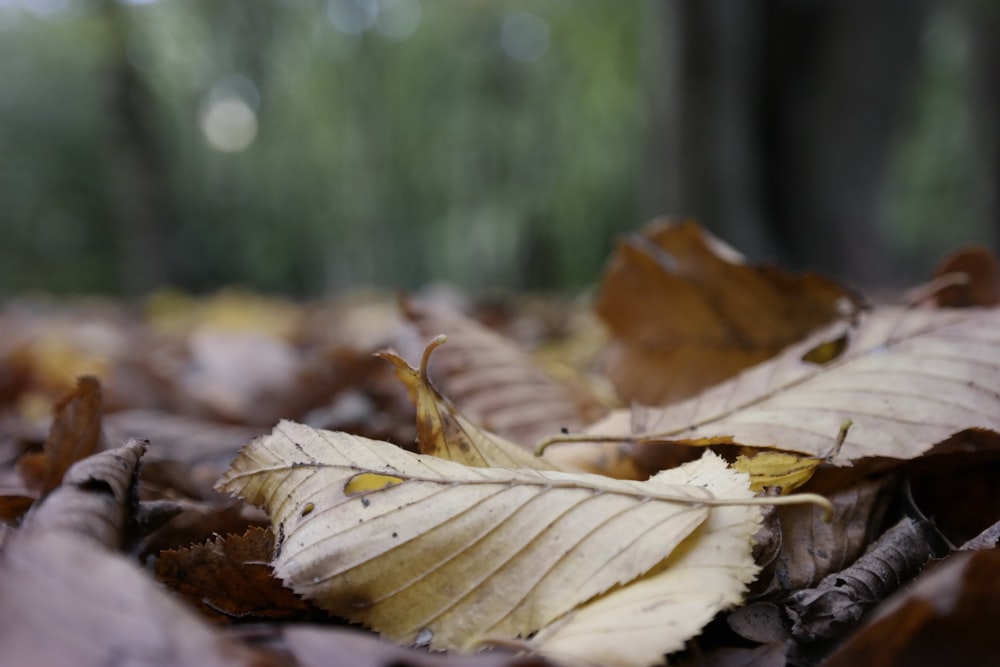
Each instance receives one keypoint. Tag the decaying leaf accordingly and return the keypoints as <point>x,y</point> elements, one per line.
<point>654,615</point>
<point>230,577</point>
<point>810,546</point>
<point>840,599</point>
<point>910,379</point>
<point>452,555</point>
<point>74,435</point>
<point>947,617</point>
<point>66,601</point>
<point>497,385</point>
<point>444,432</point>
<point>687,313</point>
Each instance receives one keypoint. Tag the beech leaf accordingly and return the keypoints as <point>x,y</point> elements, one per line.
<point>453,555</point>
<point>656,614</point>
<point>909,379</point>
<point>686,312</point>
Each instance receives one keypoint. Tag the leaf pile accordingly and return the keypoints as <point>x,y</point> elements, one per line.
<point>230,481</point>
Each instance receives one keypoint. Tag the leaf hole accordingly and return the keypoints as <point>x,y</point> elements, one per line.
<point>307,510</point>
<point>369,481</point>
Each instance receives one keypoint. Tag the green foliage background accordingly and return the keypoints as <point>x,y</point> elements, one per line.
<point>377,161</point>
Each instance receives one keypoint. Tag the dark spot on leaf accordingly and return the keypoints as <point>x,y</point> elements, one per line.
<point>365,502</point>
<point>394,534</point>
<point>564,430</point>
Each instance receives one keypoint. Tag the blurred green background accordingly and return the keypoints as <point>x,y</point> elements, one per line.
<point>308,146</point>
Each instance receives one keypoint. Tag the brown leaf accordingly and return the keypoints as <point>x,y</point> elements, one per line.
<point>839,601</point>
<point>948,617</point>
<point>687,313</point>
<point>975,273</point>
<point>230,578</point>
<point>74,435</point>
<point>67,601</point>
<point>811,547</point>
<point>497,385</point>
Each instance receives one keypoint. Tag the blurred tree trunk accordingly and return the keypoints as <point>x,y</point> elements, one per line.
<point>139,190</point>
<point>775,122</point>
<point>984,17</point>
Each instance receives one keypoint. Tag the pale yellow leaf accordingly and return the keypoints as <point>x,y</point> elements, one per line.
<point>908,380</point>
<point>451,554</point>
<point>636,625</point>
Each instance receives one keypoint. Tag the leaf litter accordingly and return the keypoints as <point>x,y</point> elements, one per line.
<point>746,373</point>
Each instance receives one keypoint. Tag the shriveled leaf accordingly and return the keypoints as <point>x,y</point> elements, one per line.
<point>497,385</point>
<point>637,624</point>
<point>230,577</point>
<point>96,497</point>
<point>451,554</point>
<point>444,432</point>
<point>74,435</point>
<point>68,602</point>
<point>808,546</point>
<point>687,313</point>
<point>947,617</point>
<point>839,601</point>
<point>909,380</point>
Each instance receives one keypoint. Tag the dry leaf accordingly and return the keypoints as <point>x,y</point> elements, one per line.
<point>446,555</point>
<point>444,432</point>
<point>974,274</point>
<point>840,599</point>
<point>687,313</point>
<point>74,435</point>
<point>497,385</point>
<point>947,617</point>
<point>68,602</point>
<point>909,380</point>
<point>810,546</point>
<point>95,500</point>
<point>635,625</point>
<point>781,470</point>
<point>230,577</point>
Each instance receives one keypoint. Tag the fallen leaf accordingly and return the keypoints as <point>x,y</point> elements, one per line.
<point>74,435</point>
<point>497,385</point>
<point>96,498</point>
<point>947,617</point>
<point>975,278</point>
<point>637,624</point>
<point>230,578</point>
<point>811,546</point>
<point>66,601</point>
<point>452,555</point>
<point>687,313</point>
<point>910,379</point>
<point>444,432</point>
<point>781,470</point>
<point>839,601</point>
